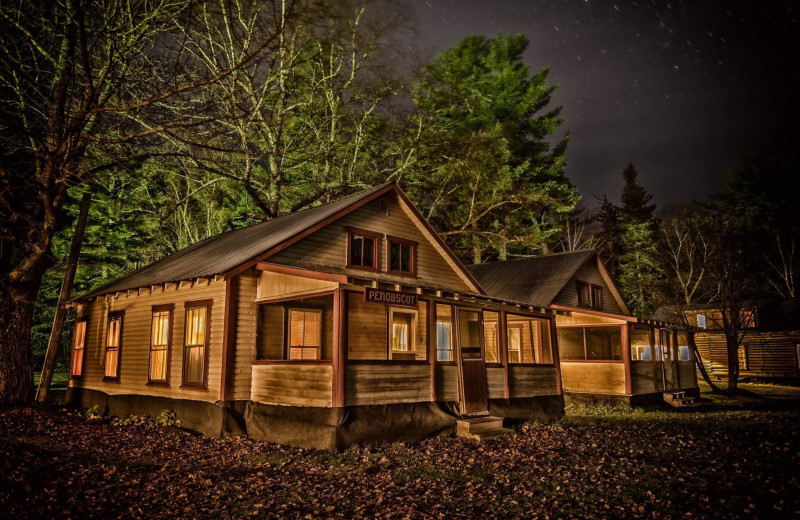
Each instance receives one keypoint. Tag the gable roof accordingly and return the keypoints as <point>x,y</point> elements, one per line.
<point>538,280</point>
<point>535,281</point>
<point>232,252</point>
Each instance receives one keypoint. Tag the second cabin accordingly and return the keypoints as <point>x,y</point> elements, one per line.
<point>348,322</point>
<point>606,353</point>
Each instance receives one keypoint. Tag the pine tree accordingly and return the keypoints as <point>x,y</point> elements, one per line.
<point>635,199</point>
<point>610,232</point>
<point>639,271</point>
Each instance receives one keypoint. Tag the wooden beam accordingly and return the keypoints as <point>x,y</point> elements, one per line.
<point>433,354</point>
<point>228,336</point>
<point>298,271</point>
<point>502,333</point>
<point>556,355</point>
<point>591,312</point>
<point>339,353</point>
<point>626,357</point>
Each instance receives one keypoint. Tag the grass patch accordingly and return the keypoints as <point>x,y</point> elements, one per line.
<point>60,378</point>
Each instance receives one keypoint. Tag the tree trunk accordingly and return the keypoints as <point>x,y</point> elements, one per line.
<point>61,310</point>
<point>701,367</point>
<point>476,251</point>
<point>16,356</point>
<point>503,250</point>
<point>732,347</point>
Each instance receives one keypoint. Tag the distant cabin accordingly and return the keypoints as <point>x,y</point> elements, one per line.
<point>606,354</point>
<point>770,347</point>
<point>349,322</point>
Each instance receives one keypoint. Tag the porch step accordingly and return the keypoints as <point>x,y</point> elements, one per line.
<point>481,428</point>
<point>680,400</point>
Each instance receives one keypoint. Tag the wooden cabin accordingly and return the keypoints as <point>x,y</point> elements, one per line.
<point>346,323</point>
<point>770,348</point>
<point>606,354</point>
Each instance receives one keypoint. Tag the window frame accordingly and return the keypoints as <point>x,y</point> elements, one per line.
<point>112,315</point>
<point>599,288</point>
<point>287,339</point>
<point>448,318</point>
<point>411,353</point>
<point>72,374</point>
<point>167,307</point>
<point>187,306</point>
<point>412,256</point>
<point>586,344</point>
<point>521,327</point>
<point>579,285</point>
<point>376,249</point>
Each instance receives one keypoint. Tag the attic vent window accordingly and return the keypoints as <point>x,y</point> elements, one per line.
<point>589,295</point>
<point>362,249</point>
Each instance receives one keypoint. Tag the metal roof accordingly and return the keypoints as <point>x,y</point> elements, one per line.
<point>221,253</point>
<point>535,281</point>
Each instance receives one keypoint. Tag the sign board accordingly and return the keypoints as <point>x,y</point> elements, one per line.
<point>402,299</point>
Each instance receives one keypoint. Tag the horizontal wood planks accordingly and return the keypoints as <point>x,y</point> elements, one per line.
<point>647,377</point>
<point>292,384</point>
<point>527,381</point>
<point>136,330</point>
<point>387,384</point>
<point>599,378</point>
<point>278,285</point>
<point>495,382</point>
<point>578,318</point>
<point>245,337</point>
<point>687,373</point>
<point>447,376</point>
<point>327,247</point>
<point>769,353</point>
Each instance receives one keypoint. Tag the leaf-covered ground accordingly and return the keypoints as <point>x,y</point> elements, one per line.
<point>738,459</point>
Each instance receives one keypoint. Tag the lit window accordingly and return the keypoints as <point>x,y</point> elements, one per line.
<point>701,321</point>
<point>160,336</point>
<point>78,345</point>
<point>490,339</point>
<point>305,334</point>
<point>444,333</point>
<point>363,250</point>
<point>401,256</point>
<point>600,343</point>
<point>195,344</point>
<point>402,325</point>
<point>113,346</point>
<point>640,344</point>
<point>683,347</point>
<point>514,343</point>
<point>742,355</point>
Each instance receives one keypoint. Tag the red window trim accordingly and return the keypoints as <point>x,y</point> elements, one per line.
<point>169,307</point>
<point>112,315</point>
<point>72,356</point>
<point>376,253</point>
<point>193,304</point>
<point>412,256</point>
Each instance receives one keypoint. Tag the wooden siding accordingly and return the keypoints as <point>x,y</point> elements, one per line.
<point>135,352</point>
<point>586,319</point>
<point>591,377</point>
<point>647,377</point>
<point>278,285</point>
<point>769,354</point>
<point>568,296</point>
<point>527,381</point>
<point>447,377</point>
<point>245,337</point>
<point>496,382</point>
<point>326,249</point>
<point>387,384</point>
<point>687,374</point>
<point>292,384</point>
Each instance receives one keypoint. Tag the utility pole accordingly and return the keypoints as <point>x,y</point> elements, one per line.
<point>61,310</point>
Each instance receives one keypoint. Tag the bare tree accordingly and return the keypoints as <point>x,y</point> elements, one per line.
<point>86,85</point>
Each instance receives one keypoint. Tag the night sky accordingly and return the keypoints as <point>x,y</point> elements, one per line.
<point>681,89</point>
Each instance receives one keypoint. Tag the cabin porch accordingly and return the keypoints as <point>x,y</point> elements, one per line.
<point>620,360</point>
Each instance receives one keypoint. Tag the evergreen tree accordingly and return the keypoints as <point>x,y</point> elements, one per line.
<point>639,271</point>
<point>635,199</point>
<point>610,235</point>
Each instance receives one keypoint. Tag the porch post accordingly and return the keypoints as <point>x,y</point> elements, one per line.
<point>433,356</point>
<point>626,357</point>
<point>229,336</point>
<point>339,345</point>
<point>503,340</point>
<point>556,354</point>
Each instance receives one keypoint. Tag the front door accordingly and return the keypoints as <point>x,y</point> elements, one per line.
<point>471,364</point>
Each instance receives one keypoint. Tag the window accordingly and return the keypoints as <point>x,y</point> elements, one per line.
<point>584,294</point>
<point>78,345</point>
<point>597,297</point>
<point>113,346</point>
<point>402,329</point>
<point>160,343</point>
<point>590,343</point>
<point>514,343</point>
<point>297,330</point>
<point>666,344</point>
<point>362,250</point>
<point>748,319</point>
<point>195,343</point>
<point>640,344</point>
<point>742,355</point>
<point>444,333</point>
<point>401,256</point>
<point>528,339</point>
<point>683,347</point>
<point>701,321</point>
<point>469,334</point>
<point>490,340</point>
